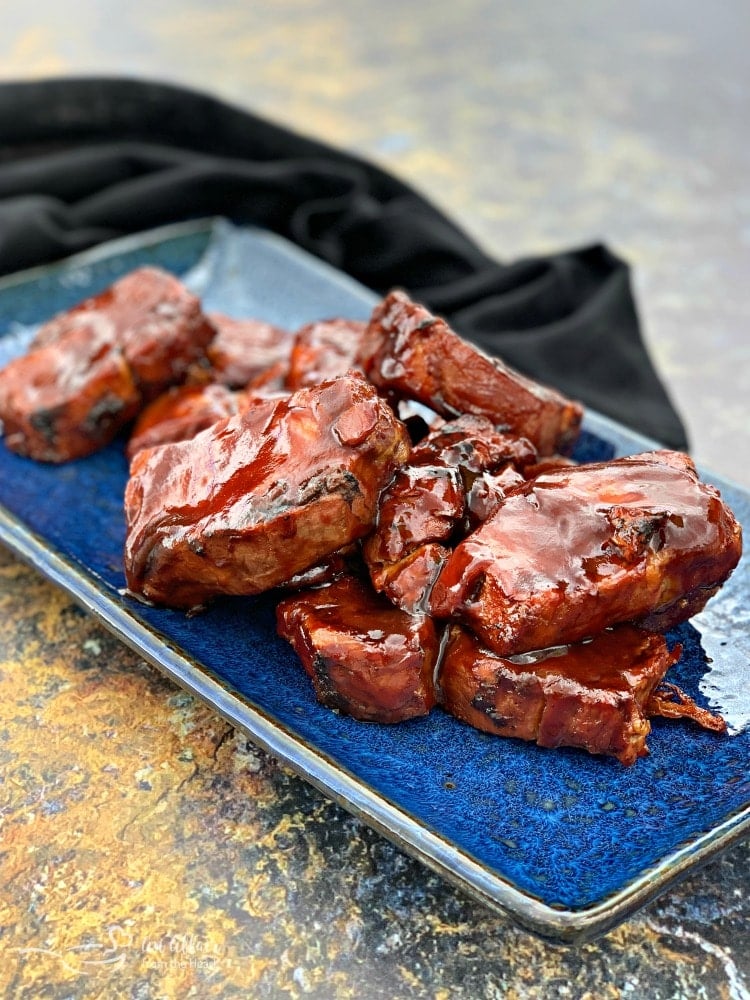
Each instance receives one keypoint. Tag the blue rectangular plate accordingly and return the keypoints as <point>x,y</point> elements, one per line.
<point>565,843</point>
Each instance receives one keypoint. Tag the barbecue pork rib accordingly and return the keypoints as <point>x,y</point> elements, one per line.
<point>243,349</point>
<point>181,413</point>
<point>185,410</point>
<point>365,658</point>
<point>67,399</point>
<point>574,551</point>
<point>89,370</point>
<point>152,317</point>
<point>426,507</point>
<point>262,496</point>
<point>594,695</point>
<point>324,349</point>
<point>472,444</point>
<point>410,354</point>
<point>418,513</point>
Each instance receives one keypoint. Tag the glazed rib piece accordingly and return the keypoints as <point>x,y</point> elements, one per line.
<point>346,561</point>
<point>596,695</point>
<point>364,657</point>
<point>186,410</point>
<point>472,444</point>
<point>181,413</point>
<point>89,370</point>
<point>412,354</point>
<point>423,510</point>
<point>574,551</point>
<point>260,497</point>
<point>488,460</point>
<point>67,399</point>
<point>418,513</point>
<point>154,320</point>
<point>270,381</point>
<point>486,494</point>
<point>243,349</point>
<point>324,349</point>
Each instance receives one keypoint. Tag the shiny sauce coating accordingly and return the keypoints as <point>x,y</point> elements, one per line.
<point>365,657</point>
<point>591,695</point>
<point>577,550</point>
<point>262,496</point>
<point>415,355</point>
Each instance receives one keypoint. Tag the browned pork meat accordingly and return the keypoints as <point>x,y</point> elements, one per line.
<point>90,369</point>
<point>262,496</point>
<point>412,354</point>
<point>472,444</point>
<point>344,562</point>
<point>487,492</point>
<point>270,381</point>
<point>324,349</point>
<point>181,413</point>
<point>574,551</point>
<point>418,513</point>
<point>364,657</point>
<point>186,410</point>
<point>67,399</point>
<point>243,349</point>
<point>423,510</point>
<point>595,695</point>
<point>154,320</point>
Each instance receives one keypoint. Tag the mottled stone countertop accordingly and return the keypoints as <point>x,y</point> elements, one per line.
<point>146,849</point>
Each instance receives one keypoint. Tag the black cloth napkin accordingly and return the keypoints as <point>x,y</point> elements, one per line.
<point>86,160</point>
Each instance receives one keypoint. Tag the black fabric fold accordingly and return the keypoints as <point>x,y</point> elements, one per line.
<point>86,160</point>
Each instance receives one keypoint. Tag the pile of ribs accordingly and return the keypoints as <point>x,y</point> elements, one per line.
<point>411,501</point>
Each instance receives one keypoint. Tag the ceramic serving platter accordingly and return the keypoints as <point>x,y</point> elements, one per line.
<point>566,844</point>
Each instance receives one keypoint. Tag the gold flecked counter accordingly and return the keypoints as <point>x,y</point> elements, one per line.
<point>146,849</point>
<point>149,851</point>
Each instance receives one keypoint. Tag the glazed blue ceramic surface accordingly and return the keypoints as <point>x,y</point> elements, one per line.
<point>565,842</point>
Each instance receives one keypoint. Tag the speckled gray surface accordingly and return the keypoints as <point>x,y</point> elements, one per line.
<point>538,125</point>
<point>142,837</point>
